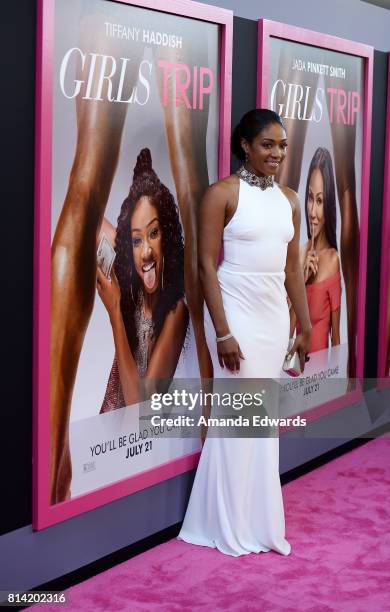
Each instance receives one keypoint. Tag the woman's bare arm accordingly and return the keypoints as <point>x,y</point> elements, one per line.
<point>293,321</point>
<point>335,327</point>
<point>333,267</point>
<point>217,206</point>
<point>293,316</point>
<point>109,230</point>
<point>211,223</point>
<point>166,352</point>
<point>163,361</point>
<point>294,282</point>
<point>109,292</point>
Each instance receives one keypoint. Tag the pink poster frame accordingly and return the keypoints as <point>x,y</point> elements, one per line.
<point>385,249</point>
<point>271,29</point>
<point>45,515</point>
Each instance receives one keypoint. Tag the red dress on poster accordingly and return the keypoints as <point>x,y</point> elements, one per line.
<point>323,298</point>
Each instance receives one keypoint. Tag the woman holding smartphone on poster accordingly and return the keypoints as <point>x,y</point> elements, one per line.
<point>145,296</point>
<point>236,502</point>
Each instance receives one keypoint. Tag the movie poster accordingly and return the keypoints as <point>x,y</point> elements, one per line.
<point>383,370</point>
<point>384,331</point>
<point>135,133</point>
<point>319,93</point>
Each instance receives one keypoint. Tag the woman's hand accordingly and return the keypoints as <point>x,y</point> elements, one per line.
<point>229,354</point>
<point>109,292</point>
<point>302,345</point>
<point>310,267</point>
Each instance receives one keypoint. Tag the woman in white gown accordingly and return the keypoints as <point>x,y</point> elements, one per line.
<point>236,502</point>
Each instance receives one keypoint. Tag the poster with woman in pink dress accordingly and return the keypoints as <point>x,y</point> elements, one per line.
<point>321,87</point>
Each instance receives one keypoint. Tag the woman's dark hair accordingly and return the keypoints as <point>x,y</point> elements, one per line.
<point>250,126</point>
<point>146,183</point>
<point>322,161</point>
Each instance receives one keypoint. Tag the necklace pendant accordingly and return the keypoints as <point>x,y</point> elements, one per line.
<point>255,181</point>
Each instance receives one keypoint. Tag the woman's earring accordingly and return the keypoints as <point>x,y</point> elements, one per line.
<point>162,275</point>
<point>246,157</point>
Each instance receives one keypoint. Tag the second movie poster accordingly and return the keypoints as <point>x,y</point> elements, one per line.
<point>319,93</point>
<point>135,145</point>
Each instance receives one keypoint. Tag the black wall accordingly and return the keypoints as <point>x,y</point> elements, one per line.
<point>375,212</point>
<point>17,43</point>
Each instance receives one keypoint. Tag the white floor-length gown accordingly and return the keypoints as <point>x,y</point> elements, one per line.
<point>236,502</point>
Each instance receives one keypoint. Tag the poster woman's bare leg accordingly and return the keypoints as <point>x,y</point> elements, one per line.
<point>74,268</point>
<point>189,168</point>
<point>290,171</point>
<point>349,250</point>
<point>186,135</point>
<point>344,137</point>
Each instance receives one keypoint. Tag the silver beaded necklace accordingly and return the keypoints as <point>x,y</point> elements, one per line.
<point>255,181</point>
<point>144,327</point>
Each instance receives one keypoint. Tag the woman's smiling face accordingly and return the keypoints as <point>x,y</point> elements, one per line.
<point>267,150</point>
<point>315,203</point>
<point>147,247</point>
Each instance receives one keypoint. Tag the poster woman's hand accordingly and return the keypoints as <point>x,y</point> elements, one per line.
<point>310,267</point>
<point>229,354</point>
<point>109,292</point>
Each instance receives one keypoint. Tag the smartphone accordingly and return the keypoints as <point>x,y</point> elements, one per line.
<point>105,256</point>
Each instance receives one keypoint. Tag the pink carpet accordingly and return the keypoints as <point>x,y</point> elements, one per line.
<point>338,523</point>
